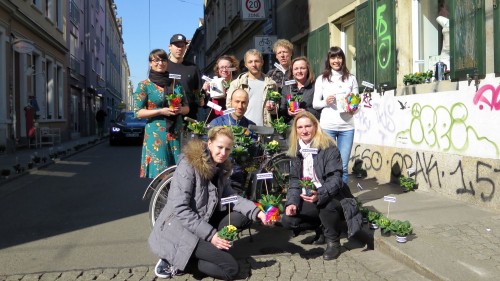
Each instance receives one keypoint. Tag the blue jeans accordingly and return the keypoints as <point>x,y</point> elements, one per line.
<point>344,143</point>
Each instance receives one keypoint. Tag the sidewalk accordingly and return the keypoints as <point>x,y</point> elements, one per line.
<point>22,157</point>
<point>451,240</point>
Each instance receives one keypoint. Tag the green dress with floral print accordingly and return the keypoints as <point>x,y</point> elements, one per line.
<point>160,147</point>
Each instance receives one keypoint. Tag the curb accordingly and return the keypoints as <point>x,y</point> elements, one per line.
<point>392,250</point>
<point>50,162</point>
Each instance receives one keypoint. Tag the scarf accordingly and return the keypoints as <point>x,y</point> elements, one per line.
<point>308,164</point>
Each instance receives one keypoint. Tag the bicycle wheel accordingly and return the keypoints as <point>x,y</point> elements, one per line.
<point>159,198</point>
<point>279,165</point>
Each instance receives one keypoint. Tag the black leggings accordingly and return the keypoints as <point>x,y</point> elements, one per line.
<point>219,263</point>
<point>310,216</point>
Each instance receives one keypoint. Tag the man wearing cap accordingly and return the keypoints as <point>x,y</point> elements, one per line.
<point>190,74</point>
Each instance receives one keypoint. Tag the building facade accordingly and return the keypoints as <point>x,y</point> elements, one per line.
<point>32,69</point>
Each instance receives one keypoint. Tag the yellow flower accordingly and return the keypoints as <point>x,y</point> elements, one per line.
<point>231,228</point>
<point>274,142</point>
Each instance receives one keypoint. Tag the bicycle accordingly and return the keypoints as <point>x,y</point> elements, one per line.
<point>278,164</point>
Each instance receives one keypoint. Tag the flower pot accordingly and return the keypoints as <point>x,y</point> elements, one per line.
<point>401,239</point>
<point>385,232</point>
<point>373,225</point>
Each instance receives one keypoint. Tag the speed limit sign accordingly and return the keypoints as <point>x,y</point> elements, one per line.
<point>253,10</point>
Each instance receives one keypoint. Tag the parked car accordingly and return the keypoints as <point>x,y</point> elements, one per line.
<point>126,128</point>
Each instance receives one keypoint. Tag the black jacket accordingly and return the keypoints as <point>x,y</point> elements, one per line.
<point>307,93</point>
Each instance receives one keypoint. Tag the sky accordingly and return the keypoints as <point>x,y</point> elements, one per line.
<point>149,24</point>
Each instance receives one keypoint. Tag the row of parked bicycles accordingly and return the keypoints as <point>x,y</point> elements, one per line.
<point>261,166</point>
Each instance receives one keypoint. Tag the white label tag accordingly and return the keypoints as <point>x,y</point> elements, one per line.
<point>367,84</point>
<point>290,82</point>
<point>214,106</point>
<point>206,78</point>
<point>228,111</point>
<point>263,176</point>
<point>229,199</point>
<point>278,66</point>
<point>309,150</point>
<point>359,186</point>
<point>390,199</point>
<point>174,76</point>
<point>231,69</point>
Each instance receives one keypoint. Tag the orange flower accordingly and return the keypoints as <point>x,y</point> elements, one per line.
<point>148,159</point>
<point>157,141</point>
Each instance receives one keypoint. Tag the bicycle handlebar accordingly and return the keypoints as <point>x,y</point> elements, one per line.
<point>191,120</point>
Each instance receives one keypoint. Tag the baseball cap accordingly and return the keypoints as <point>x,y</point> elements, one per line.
<point>178,38</point>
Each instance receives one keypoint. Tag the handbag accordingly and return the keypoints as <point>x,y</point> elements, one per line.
<point>351,211</point>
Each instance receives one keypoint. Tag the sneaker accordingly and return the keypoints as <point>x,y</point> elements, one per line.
<point>163,269</point>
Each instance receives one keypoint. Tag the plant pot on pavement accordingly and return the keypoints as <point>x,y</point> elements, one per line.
<point>401,239</point>
<point>373,225</point>
<point>385,232</point>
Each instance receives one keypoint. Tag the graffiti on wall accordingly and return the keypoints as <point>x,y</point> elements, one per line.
<point>383,39</point>
<point>434,174</point>
<point>491,101</point>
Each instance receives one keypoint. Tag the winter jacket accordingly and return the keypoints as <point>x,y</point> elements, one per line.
<point>192,199</point>
<point>307,94</point>
<point>241,82</point>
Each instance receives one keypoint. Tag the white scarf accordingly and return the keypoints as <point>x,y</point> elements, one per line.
<point>308,164</point>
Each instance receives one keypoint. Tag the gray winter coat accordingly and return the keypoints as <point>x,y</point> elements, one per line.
<point>192,200</point>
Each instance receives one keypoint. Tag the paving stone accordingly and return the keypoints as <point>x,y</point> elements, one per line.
<point>50,276</point>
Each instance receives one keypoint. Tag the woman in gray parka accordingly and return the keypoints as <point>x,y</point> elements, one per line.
<point>187,226</point>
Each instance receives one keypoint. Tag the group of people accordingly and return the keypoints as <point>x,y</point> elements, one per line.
<point>320,140</point>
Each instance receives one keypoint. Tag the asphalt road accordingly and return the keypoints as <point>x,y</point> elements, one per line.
<point>81,213</point>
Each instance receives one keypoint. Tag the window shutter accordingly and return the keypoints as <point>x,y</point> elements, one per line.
<point>317,48</point>
<point>467,38</point>
<point>364,44</point>
<point>385,44</point>
<point>496,21</point>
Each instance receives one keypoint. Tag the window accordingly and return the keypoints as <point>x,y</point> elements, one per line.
<point>37,4</point>
<point>50,94</point>
<point>426,35</point>
<point>50,9</point>
<point>3,105</point>
<point>74,13</point>
<point>60,91</point>
<point>59,15</point>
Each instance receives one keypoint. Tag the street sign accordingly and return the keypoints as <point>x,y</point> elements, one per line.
<point>253,10</point>
<point>265,43</point>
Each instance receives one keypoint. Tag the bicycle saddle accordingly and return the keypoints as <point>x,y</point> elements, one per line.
<point>261,130</point>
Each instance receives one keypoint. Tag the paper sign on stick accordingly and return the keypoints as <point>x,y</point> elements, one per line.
<point>206,78</point>
<point>278,66</point>
<point>229,199</point>
<point>309,150</point>
<point>367,84</point>
<point>263,176</point>
<point>174,76</point>
<point>390,199</point>
<point>290,82</point>
<point>214,106</point>
<point>359,186</point>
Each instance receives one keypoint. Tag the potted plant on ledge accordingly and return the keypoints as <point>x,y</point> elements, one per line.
<point>408,184</point>
<point>384,223</point>
<point>372,218</point>
<point>402,229</point>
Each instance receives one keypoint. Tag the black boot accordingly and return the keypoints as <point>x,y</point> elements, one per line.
<point>318,239</point>
<point>332,250</point>
<point>365,238</point>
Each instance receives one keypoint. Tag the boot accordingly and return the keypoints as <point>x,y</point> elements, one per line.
<point>365,238</point>
<point>318,239</point>
<point>332,250</point>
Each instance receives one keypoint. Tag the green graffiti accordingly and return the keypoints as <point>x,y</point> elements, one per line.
<point>383,39</point>
<point>446,130</point>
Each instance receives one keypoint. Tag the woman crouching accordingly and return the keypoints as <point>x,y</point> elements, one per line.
<point>186,229</point>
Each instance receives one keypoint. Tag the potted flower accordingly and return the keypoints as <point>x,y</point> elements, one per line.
<point>352,101</point>
<point>384,223</point>
<point>307,185</point>
<point>272,147</point>
<point>174,99</point>
<point>294,101</point>
<point>197,128</point>
<point>273,96</point>
<point>372,218</point>
<point>279,125</point>
<point>228,232</point>
<point>407,183</point>
<point>402,229</point>
<point>271,205</point>
<point>240,154</point>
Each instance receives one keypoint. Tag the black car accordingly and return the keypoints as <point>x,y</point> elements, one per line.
<point>126,128</point>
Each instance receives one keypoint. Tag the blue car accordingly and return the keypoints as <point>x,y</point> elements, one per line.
<point>126,128</point>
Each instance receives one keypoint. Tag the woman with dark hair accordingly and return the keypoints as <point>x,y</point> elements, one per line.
<point>225,67</point>
<point>161,145</point>
<point>316,157</point>
<point>303,89</point>
<point>330,91</point>
<point>187,229</point>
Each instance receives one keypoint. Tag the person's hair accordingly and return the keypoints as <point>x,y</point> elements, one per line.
<point>220,130</point>
<point>158,54</point>
<point>310,73</point>
<point>321,140</point>
<point>253,52</point>
<point>283,43</point>
<point>240,90</point>
<point>232,59</point>
<point>335,52</point>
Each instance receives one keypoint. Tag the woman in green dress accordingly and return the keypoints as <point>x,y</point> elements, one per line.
<point>161,144</point>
